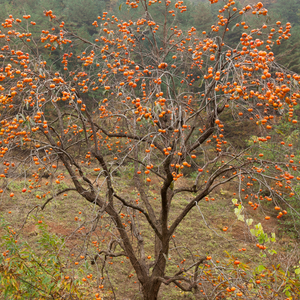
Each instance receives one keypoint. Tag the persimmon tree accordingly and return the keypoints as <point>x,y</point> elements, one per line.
<point>149,98</point>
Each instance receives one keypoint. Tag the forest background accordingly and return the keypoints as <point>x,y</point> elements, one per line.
<point>201,14</point>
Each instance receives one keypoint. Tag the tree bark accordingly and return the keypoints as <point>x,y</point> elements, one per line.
<point>150,289</point>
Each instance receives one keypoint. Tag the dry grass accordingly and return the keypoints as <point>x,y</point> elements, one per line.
<point>199,234</point>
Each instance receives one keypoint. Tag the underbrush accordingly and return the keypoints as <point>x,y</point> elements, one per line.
<point>40,262</point>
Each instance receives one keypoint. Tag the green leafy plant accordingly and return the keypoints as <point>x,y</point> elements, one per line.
<point>39,272</point>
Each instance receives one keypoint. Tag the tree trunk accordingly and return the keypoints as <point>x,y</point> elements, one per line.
<point>150,289</point>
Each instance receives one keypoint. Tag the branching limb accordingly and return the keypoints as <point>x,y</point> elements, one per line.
<point>57,194</point>
<point>142,211</point>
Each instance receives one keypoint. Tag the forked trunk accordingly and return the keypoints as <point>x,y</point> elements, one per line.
<point>150,290</point>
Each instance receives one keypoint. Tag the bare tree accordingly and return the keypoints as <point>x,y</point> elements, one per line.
<point>149,97</point>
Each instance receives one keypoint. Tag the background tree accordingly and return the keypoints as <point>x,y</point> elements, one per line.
<point>149,98</point>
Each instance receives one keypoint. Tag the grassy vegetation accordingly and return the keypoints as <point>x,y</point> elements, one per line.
<point>54,234</point>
